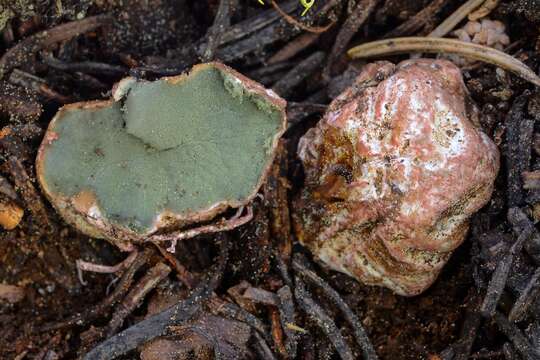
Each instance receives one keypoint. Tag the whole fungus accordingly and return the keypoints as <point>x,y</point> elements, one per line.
<point>161,157</point>
<point>394,171</point>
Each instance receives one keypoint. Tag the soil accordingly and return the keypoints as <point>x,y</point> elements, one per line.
<point>151,38</point>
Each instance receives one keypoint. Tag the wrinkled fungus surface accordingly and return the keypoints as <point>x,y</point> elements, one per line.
<point>393,172</point>
<point>165,153</point>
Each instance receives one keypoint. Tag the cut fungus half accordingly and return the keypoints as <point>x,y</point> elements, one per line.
<point>160,156</point>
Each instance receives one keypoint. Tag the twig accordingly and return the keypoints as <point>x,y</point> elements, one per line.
<point>483,354</point>
<point>520,222</point>
<point>150,280</point>
<point>355,20</point>
<point>286,315</point>
<point>450,23</point>
<point>262,348</point>
<point>519,132</point>
<point>158,324</point>
<point>277,332</point>
<point>276,200</point>
<point>360,334</point>
<point>90,67</point>
<point>325,323</point>
<point>261,296</point>
<point>284,270</point>
<point>418,21</point>
<point>121,289</point>
<point>37,84</point>
<point>515,335</point>
<point>526,298</point>
<point>183,274</point>
<point>272,69</point>
<point>293,47</point>
<point>296,112</point>
<point>266,35</point>
<point>462,348</point>
<point>440,45</point>
<point>221,22</point>
<point>299,73</point>
<point>20,53</point>
<point>293,21</point>
<point>210,338</point>
<point>253,24</point>
<point>233,311</point>
<point>89,81</point>
<point>500,275</point>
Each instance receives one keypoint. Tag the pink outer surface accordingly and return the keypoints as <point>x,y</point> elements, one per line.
<point>393,171</point>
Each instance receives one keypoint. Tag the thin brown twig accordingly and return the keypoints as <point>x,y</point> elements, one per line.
<point>500,275</point>
<point>20,53</point>
<point>360,334</point>
<point>526,298</point>
<point>357,18</point>
<point>294,47</point>
<point>296,75</point>
<point>418,21</point>
<point>90,67</point>
<point>247,27</point>
<point>323,320</point>
<point>132,300</point>
<point>293,21</point>
<point>277,332</point>
<point>183,274</point>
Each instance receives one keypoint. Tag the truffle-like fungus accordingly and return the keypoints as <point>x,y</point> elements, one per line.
<point>393,172</point>
<point>160,156</point>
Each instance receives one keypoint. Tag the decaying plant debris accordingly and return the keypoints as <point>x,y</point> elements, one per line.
<point>255,282</point>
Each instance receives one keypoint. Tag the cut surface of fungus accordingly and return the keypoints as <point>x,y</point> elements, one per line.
<point>394,171</point>
<point>160,155</point>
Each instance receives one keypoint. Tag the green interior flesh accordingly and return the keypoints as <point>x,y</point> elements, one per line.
<point>179,147</point>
